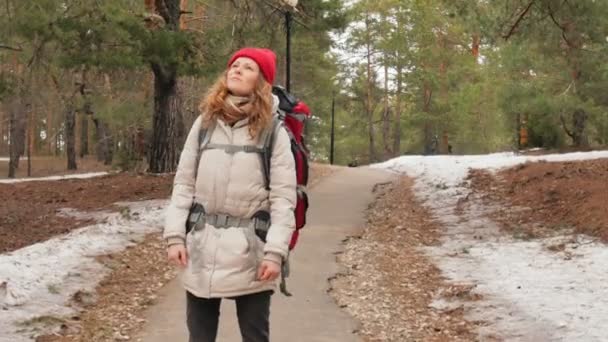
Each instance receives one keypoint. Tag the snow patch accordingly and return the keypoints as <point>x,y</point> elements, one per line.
<point>52,178</point>
<point>529,293</point>
<point>39,280</point>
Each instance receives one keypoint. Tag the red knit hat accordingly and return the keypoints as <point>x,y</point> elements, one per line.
<point>265,58</point>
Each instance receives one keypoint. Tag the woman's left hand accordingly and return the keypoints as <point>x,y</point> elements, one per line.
<point>269,270</point>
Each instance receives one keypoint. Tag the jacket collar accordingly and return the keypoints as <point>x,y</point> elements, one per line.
<point>244,122</point>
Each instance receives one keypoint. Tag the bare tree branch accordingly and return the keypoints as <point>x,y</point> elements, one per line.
<point>523,14</point>
<point>562,28</point>
<point>7,47</point>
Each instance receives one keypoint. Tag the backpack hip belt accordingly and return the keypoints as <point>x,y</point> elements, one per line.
<point>227,221</point>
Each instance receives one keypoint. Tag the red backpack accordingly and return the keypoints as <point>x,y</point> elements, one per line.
<point>292,115</point>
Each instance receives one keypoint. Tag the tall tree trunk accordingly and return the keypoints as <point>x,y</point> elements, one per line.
<point>30,141</point>
<point>70,123</point>
<point>577,133</point>
<point>32,131</point>
<point>12,142</point>
<point>49,131</point>
<point>475,45</point>
<point>386,117</point>
<point>167,130</point>
<point>150,5</point>
<point>429,145</point>
<point>58,140</point>
<point>77,131</point>
<point>17,123</point>
<point>139,143</point>
<point>167,122</point>
<point>397,124</point>
<point>182,19</point>
<point>4,131</point>
<point>579,122</point>
<point>368,105</point>
<point>573,44</point>
<point>84,135</point>
<point>442,146</point>
<point>105,144</point>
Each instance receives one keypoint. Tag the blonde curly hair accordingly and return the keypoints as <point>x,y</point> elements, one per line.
<point>260,115</point>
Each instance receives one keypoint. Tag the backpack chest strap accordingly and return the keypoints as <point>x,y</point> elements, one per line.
<point>232,149</point>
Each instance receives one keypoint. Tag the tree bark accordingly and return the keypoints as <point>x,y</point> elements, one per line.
<point>475,45</point>
<point>3,130</point>
<point>577,133</point>
<point>70,123</point>
<point>579,122</point>
<point>386,117</point>
<point>32,131</point>
<point>49,139</point>
<point>104,148</point>
<point>167,125</point>
<point>368,106</point>
<point>84,135</point>
<point>572,43</point>
<point>17,123</point>
<point>30,142</point>
<point>429,145</point>
<point>397,124</point>
<point>12,142</point>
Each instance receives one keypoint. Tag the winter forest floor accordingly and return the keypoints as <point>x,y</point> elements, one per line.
<point>396,281</point>
<point>51,166</point>
<point>552,197</point>
<point>392,283</point>
<point>31,211</point>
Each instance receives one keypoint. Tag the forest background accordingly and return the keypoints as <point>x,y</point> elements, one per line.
<point>119,82</point>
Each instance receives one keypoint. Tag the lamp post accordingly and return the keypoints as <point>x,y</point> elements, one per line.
<point>288,51</point>
<point>332,136</point>
<point>291,4</point>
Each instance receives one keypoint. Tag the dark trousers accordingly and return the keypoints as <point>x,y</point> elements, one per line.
<point>253,312</point>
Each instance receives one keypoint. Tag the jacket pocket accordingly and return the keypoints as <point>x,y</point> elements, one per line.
<point>258,253</point>
<point>233,250</point>
<point>195,247</point>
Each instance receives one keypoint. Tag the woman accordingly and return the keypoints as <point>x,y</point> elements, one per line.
<point>223,257</point>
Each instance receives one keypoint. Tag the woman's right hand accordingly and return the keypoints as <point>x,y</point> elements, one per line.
<point>178,255</point>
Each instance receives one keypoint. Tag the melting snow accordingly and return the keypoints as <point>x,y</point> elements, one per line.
<point>51,178</point>
<point>529,293</point>
<point>38,280</point>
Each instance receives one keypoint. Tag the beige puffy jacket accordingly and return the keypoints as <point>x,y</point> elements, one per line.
<point>223,262</point>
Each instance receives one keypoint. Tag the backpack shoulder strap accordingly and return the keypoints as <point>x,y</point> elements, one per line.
<point>268,138</point>
<point>204,136</point>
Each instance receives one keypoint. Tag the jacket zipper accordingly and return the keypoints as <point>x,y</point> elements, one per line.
<point>231,156</point>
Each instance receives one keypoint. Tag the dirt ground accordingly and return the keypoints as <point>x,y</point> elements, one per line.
<point>544,199</point>
<point>116,310</point>
<point>29,210</point>
<point>389,284</point>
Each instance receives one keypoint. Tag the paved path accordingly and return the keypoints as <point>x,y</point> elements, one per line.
<point>338,205</point>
